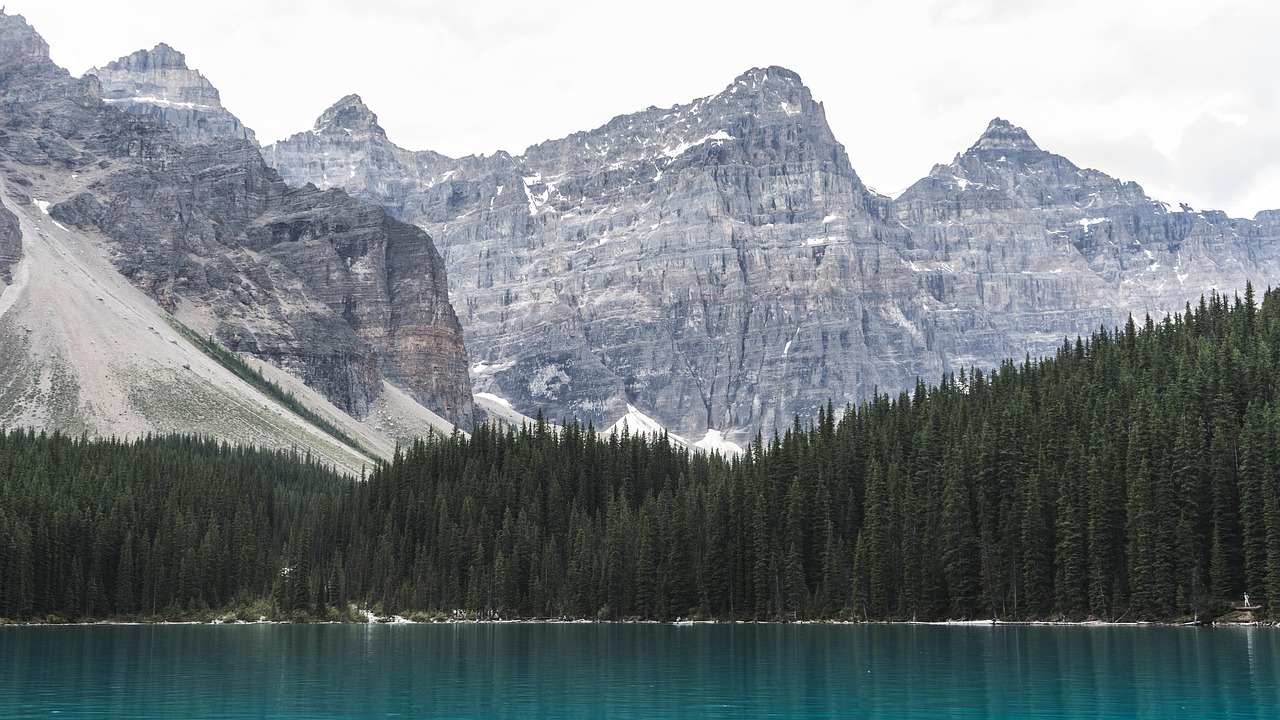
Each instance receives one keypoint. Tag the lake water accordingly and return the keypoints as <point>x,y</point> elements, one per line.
<point>638,671</point>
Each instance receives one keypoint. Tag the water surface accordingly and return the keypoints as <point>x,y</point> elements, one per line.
<point>638,671</point>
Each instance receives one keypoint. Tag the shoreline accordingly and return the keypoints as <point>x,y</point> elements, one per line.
<point>400,620</point>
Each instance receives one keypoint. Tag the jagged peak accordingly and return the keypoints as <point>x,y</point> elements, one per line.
<point>1003,136</point>
<point>758,78</point>
<point>161,57</point>
<point>769,91</point>
<point>348,116</point>
<point>19,41</point>
<point>350,101</point>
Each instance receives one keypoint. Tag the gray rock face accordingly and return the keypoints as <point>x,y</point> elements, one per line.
<point>636,263</point>
<point>10,245</point>
<point>325,286</point>
<point>21,45</point>
<point>158,82</point>
<point>720,265</point>
<point>386,282</point>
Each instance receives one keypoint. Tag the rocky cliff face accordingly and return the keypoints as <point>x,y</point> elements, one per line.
<point>382,280</point>
<point>158,82</point>
<point>328,288</point>
<point>694,259</point>
<point>719,265</point>
<point>1028,236</point>
<point>10,246</point>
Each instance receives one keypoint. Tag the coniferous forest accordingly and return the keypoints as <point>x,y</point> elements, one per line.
<point>1134,475</point>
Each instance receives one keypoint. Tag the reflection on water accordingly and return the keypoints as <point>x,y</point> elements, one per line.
<point>638,671</point>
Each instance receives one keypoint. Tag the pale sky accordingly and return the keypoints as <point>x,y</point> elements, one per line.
<point>1179,96</point>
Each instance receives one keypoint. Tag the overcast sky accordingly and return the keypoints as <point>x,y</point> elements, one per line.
<point>1179,96</point>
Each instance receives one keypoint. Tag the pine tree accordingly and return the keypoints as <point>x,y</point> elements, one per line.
<point>959,548</point>
<point>1257,463</point>
<point>1071,578</point>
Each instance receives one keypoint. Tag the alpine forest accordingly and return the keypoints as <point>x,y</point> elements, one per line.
<point>1135,475</point>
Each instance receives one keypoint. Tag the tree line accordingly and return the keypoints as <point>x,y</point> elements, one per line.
<point>1131,476</point>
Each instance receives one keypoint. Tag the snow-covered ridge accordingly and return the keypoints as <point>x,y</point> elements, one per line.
<point>149,100</point>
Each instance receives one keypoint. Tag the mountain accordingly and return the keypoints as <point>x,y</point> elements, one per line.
<point>692,262</point>
<point>348,149</point>
<point>720,266</point>
<point>116,227</point>
<point>1050,247</point>
<point>158,82</point>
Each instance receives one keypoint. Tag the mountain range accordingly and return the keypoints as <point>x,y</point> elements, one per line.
<point>716,268</point>
<point>720,266</point>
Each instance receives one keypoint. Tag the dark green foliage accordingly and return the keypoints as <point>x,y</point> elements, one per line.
<point>1134,475</point>
<point>159,526</point>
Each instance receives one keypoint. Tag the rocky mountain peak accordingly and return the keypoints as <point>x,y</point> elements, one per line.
<point>159,75</point>
<point>19,42</point>
<point>350,116</point>
<point>755,78</point>
<point>1005,169</point>
<point>769,91</point>
<point>157,82</point>
<point>1002,136</point>
<point>347,148</point>
<point>161,57</point>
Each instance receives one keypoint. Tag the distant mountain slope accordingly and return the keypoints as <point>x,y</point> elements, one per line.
<point>347,300</point>
<point>719,265</point>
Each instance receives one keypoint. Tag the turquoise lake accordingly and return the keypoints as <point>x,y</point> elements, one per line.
<point>638,671</point>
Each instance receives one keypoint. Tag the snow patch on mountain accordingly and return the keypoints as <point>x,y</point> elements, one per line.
<point>493,398</point>
<point>636,422</point>
<point>714,441</point>
<point>484,367</point>
<point>684,147</point>
<point>150,100</point>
